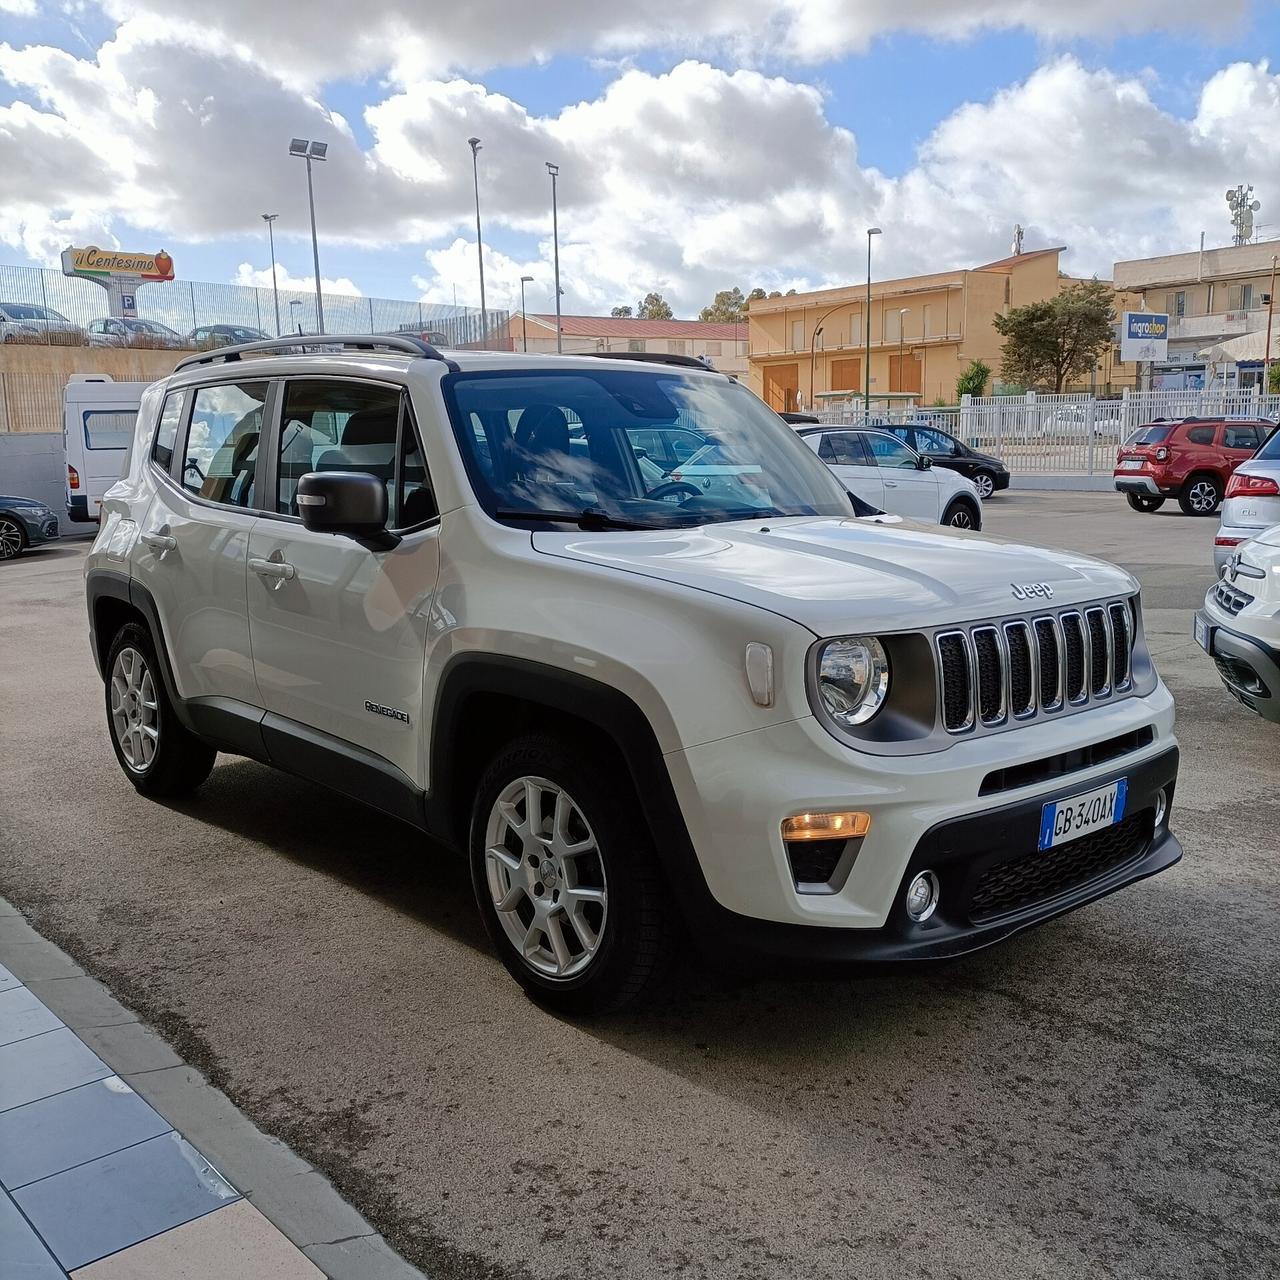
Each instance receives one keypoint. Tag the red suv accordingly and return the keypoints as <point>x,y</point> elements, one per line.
<point>1190,459</point>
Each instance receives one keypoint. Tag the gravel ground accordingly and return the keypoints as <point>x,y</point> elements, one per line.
<point>1096,1098</point>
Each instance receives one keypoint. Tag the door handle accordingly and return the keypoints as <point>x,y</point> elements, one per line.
<point>891,484</point>
<point>160,542</point>
<point>276,569</point>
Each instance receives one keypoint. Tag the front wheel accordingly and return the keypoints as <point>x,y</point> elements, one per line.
<point>12,540</point>
<point>962,514</point>
<point>566,877</point>
<point>1200,495</point>
<point>158,755</point>
<point>1144,502</point>
<point>985,483</point>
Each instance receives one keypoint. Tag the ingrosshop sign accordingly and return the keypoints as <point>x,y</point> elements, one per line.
<point>102,264</point>
<point>1144,335</point>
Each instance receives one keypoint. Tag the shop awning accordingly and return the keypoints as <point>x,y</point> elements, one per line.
<point>1241,350</point>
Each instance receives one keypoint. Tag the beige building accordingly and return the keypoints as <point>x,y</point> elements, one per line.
<point>809,348</point>
<point>1210,296</point>
<point>725,345</point>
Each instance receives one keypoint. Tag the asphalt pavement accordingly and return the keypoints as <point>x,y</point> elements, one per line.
<point>1095,1098</point>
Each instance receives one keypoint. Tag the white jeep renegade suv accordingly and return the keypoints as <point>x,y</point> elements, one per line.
<point>463,589</point>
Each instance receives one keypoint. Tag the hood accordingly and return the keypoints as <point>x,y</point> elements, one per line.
<point>839,576</point>
<point>8,501</point>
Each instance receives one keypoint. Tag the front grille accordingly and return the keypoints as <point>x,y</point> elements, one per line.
<point>1036,876</point>
<point>1230,599</point>
<point>992,673</point>
<point>50,528</point>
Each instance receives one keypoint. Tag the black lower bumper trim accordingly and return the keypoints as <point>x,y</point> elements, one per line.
<point>966,854</point>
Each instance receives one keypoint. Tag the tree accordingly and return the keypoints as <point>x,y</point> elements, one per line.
<point>775,293</point>
<point>621,312</point>
<point>654,307</point>
<point>1046,344</point>
<point>973,381</point>
<point>727,307</point>
<point>1273,379</point>
<point>756,294</point>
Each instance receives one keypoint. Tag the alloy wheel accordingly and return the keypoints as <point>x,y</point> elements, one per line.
<point>10,540</point>
<point>985,485</point>
<point>135,719</point>
<point>961,518</point>
<point>546,878</point>
<point>1203,496</point>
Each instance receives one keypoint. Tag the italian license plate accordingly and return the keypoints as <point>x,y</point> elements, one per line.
<point>1203,633</point>
<point>1131,464</point>
<point>1063,820</point>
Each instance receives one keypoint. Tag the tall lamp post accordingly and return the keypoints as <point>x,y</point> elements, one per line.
<point>866,373</point>
<point>294,322</point>
<point>474,143</point>
<point>524,315</point>
<point>813,348</point>
<point>1271,307</point>
<point>269,218</point>
<point>554,171</point>
<point>305,149</point>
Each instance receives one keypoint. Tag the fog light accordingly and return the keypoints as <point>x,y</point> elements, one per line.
<point>825,826</point>
<point>1162,807</point>
<point>922,896</point>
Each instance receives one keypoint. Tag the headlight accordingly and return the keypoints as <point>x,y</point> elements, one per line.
<point>853,679</point>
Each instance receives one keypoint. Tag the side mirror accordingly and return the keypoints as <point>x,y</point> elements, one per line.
<point>352,503</point>
<point>926,462</point>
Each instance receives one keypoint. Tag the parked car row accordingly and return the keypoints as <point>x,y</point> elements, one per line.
<point>23,322</point>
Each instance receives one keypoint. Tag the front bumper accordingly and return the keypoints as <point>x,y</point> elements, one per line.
<point>994,880</point>
<point>40,529</point>
<point>1249,668</point>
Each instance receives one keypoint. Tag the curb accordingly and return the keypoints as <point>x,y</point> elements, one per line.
<point>290,1193</point>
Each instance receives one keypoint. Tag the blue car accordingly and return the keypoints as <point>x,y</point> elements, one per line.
<point>24,523</point>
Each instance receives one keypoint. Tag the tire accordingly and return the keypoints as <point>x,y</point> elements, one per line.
<point>1200,495</point>
<point>985,483</point>
<point>547,946</point>
<point>1144,502</point>
<point>13,542</point>
<point>962,513</point>
<point>157,753</point>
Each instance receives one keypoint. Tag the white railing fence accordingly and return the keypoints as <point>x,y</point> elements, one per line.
<point>1073,434</point>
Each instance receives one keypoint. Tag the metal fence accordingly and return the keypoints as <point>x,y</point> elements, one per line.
<point>1062,434</point>
<point>183,307</point>
<point>31,402</point>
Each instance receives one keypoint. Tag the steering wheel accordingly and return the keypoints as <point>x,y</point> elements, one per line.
<point>674,491</point>
<point>192,465</point>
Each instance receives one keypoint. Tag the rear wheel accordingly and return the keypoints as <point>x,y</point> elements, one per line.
<point>566,877</point>
<point>12,539</point>
<point>1144,502</point>
<point>985,483</point>
<point>158,755</point>
<point>1200,495</point>
<point>962,513</point>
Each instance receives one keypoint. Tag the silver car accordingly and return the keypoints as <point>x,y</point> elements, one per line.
<point>1252,501</point>
<point>26,322</point>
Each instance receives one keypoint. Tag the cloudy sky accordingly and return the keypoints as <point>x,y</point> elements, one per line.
<point>700,145</point>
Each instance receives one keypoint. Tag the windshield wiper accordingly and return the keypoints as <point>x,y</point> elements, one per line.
<point>589,518</point>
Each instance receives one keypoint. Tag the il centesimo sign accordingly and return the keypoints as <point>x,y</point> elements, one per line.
<point>102,263</point>
<point>1144,335</point>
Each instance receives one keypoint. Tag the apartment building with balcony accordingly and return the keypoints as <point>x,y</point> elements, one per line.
<point>808,349</point>
<point>725,345</point>
<point>1211,296</point>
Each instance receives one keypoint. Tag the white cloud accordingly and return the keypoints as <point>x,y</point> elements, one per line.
<point>260,278</point>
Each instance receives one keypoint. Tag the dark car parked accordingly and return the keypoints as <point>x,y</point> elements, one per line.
<point>943,450</point>
<point>24,523</point>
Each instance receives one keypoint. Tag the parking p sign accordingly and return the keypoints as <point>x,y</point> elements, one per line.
<point>1144,335</point>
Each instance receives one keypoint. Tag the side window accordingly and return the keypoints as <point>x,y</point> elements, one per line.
<point>108,430</point>
<point>167,432</point>
<point>888,452</point>
<point>1242,438</point>
<point>1200,435</point>
<point>934,442</point>
<point>827,449</point>
<point>222,443</point>
<point>843,448</point>
<point>416,501</point>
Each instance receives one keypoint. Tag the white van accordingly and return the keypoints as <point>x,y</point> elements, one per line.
<point>98,420</point>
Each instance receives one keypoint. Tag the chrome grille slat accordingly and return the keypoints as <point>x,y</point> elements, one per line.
<point>992,674</point>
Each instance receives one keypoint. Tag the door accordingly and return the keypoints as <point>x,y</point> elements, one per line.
<point>781,386</point>
<point>908,491</point>
<point>844,453</point>
<point>941,450</point>
<point>339,628</point>
<point>194,542</point>
<point>1240,441</point>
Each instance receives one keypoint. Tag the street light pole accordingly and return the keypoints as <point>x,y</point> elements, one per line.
<point>475,178</point>
<point>305,149</point>
<point>554,171</point>
<point>269,218</point>
<point>293,315</point>
<point>866,396</point>
<point>524,315</point>
<point>1271,306</point>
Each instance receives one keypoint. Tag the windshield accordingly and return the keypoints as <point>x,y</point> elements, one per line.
<point>1151,435</point>
<point>653,449</point>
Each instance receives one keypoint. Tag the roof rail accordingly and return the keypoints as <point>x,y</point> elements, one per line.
<point>652,357</point>
<point>301,344</point>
